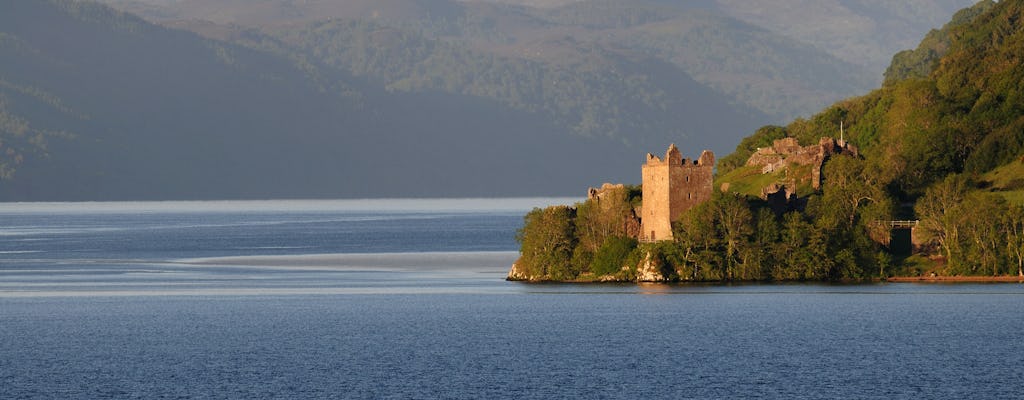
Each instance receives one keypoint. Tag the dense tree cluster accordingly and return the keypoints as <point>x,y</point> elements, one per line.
<point>590,239</point>
<point>979,233</point>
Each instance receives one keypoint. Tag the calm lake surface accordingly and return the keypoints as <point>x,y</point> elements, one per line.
<point>406,299</point>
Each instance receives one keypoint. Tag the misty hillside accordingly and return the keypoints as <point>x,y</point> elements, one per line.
<point>371,98</point>
<point>863,32</point>
<point>782,57</point>
<point>156,113</point>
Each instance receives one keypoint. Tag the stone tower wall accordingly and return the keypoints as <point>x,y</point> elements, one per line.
<point>671,186</point>
<point>655,222</point>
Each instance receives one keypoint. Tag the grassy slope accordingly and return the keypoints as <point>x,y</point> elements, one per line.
<point>1007,180</point>
<point>748,180</point>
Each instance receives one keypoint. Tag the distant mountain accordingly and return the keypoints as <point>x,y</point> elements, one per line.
<point>370,98</point>
<point>751,65</point>
<point>112,107</point>
<point>783,58</point>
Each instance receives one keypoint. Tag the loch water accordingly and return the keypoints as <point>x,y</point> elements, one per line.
<point>406,299</point>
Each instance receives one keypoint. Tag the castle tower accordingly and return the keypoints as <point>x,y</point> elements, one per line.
<point>671,187</point>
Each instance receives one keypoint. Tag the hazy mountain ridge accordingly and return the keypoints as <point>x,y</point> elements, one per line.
<point>164,114</point>
<point>289,109</point>
<point>860,32</point>
<point>698,37</point>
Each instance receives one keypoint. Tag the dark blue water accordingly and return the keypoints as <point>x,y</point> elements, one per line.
<point>287,304</point>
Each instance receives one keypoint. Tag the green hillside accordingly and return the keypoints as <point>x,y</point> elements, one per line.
<point>964,117</point>
<point>960,114</point>
<point>1006,180</point>
<point>945,135</point>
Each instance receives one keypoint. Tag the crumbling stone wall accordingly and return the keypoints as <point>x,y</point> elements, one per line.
<point>608,191</point>
<point>787,151</point>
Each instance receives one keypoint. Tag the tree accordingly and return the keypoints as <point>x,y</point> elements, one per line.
<point>735,225</point>
<point>697,237</point>
<point>1013,228</point>
<point>547,240</point>
<point>603,217</point>
<point>983,231</point>
<point>760,255</point>
<point>610,258</point>
<point>793,255</point>
<point>846,188</point>
<point>940,212</point>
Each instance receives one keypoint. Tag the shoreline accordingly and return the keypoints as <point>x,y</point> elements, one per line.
<point>956,279</point>
<point>896,279</point>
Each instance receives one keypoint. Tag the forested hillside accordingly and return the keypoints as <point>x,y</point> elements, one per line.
<point>954,108</point>
<point>941,142</point>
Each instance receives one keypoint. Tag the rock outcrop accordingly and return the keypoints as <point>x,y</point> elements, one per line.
<point>650,270</point>
<point>517,274</point>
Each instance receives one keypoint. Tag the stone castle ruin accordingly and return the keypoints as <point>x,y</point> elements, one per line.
<point>787,152</point>
<point>671,186</point>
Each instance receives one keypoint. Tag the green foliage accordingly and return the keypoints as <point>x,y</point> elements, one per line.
<point>955,105</point>
<point>582,260</point>
<point>835,238</point>
<point>547,241</point>
<point>920,62</point>
<point>940,211</point>
<point>716,237</point>
<point>597,220</point>
<point>978,232</point>
<point>612,255</point>
<point>561,243</point>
